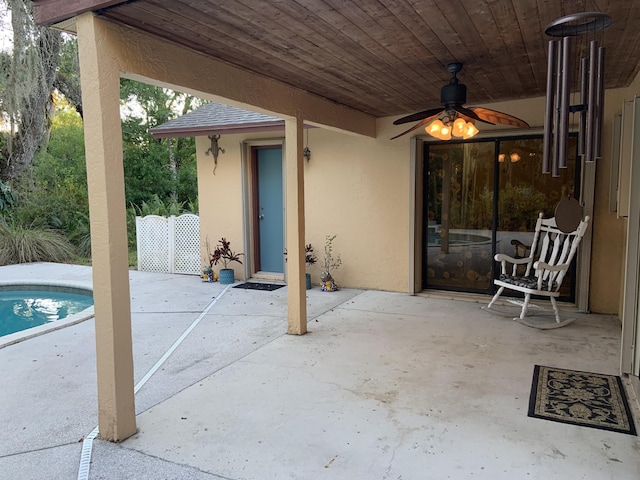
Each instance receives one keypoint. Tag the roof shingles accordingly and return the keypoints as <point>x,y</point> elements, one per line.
<point>216,118</point>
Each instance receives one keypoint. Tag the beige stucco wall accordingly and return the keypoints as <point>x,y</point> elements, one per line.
<point>359,189</point>
<point>355,188</point>
<point>220,198</point>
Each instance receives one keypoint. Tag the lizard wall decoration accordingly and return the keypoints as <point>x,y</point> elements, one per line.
<point>215,150</point>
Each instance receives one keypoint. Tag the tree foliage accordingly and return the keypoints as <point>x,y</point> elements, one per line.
<point>164,168</point>
<point>56,194</point>
<point>42,154</point>
<point>67,80</point>
<point>7,199</point>
<point>27,82</point>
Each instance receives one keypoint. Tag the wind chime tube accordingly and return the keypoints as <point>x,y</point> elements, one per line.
<point>591,109</point>
<point>584,76</point>
<point>563,125</point>
<point>555,171</point>
<point>600,104</point>
<point>548,116</point>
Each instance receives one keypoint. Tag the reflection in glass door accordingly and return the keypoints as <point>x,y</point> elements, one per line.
<point>459,187</point>
<point>525,192</point>
<point>468,220</point>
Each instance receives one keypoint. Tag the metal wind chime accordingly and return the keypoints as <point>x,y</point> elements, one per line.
<point>591,91</point>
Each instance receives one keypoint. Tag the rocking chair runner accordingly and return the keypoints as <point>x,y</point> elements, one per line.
<point>550,255</point>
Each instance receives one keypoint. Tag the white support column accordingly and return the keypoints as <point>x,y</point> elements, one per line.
<point>294,161</point>
<point>100,82</point>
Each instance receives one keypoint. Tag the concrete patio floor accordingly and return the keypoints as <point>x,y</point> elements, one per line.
<point>385,386</point>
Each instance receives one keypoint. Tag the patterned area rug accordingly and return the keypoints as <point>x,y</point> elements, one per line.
<point>580,398</point>
<point>259,286</point>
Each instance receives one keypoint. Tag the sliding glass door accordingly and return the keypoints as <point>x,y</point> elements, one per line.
<point>483,197</point>
<point>459,186</point>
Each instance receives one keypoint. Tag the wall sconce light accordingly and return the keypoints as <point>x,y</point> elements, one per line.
<point>513,157</point>
<point>215,150</point>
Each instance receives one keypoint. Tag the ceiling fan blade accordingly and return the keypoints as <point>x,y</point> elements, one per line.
<point>469,114</point>
<point>417,125</point>
<point>418,116</point>
<point>493,116</point>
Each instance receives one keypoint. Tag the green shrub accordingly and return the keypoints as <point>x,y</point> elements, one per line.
<point>7,199</point>
<point>19,244</point>
<point>133,258</point>
<point>79,234</point>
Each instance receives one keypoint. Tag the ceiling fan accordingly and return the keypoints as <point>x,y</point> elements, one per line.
<point>454,118</point>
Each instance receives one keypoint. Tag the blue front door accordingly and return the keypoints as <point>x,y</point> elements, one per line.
<point>270,210</point>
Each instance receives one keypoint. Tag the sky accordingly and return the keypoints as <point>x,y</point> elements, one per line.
<point>6,34</point>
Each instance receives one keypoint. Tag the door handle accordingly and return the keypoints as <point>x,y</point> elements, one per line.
<point>261,216</point>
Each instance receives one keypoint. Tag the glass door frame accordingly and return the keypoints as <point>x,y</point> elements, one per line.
<point>421,190</point>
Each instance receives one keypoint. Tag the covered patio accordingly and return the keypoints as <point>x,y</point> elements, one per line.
<point>385,385</point>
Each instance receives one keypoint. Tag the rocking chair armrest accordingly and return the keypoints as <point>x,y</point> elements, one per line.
<point>501,257</point>
<point>504,259</point>
<point>553,268</point>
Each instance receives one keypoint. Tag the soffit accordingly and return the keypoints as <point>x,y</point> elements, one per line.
<point>382,57</point>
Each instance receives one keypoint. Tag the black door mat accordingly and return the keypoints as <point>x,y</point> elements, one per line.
<point>259,286</point>
<point>580,398</point>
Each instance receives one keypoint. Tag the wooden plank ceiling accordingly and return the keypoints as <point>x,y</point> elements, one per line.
<point>383,57</point>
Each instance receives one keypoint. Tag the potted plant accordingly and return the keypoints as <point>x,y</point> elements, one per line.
<point>331,263</point>
<point>224,254</point>
<point>207,273</point>
<point>309,259</point>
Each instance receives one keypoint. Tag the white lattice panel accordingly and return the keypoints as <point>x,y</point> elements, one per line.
<point>169,245</point>
<point>152,234</point>
<point>187,244</point>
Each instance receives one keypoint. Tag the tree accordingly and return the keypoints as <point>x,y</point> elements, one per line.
<point>165,168</point>
<point>56,195</point>
<point>67,80</point>
<point>27,83</point>
<point>42,162</point>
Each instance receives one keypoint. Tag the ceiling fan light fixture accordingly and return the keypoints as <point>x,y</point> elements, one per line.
<point>434,128</point>
<point>444,130</point>
<point>470,131</point>
<point>445,133</point>
<point>459,127</point>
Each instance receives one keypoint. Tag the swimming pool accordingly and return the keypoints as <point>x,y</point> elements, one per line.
<point>457,239</point>
<point>26,306</point>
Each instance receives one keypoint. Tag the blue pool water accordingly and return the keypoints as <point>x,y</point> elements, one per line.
<point>23,307</point>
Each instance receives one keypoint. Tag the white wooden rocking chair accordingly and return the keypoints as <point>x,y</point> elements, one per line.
<point>549,259</point>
